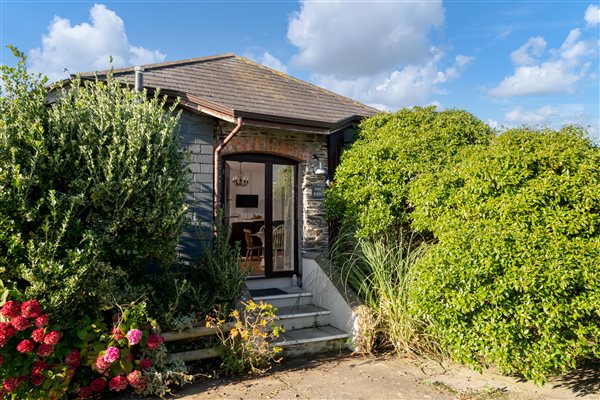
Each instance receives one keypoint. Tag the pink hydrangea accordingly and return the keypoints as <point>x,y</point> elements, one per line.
<point>154,341</point>
<point>145,363</point>
<point>52,338</point>
<point>100,364</point>
<point>134,336</point>
<point>37,379</point>
<point>118,383</point>
<point>31,309</point>
<point>85,392</point>
<point>20,323</point>
<point>98,384</point>
<point>6,332</point>
<point>10,384</point>
<point>117,333</point>
<point>73,359</point>
<point>137,380</point>
<point>41,321</point>
<point>11,309</point>
<point>25,346</point>
<point>38,367</point>
<point>111,354</point>
<point>38,335</point>
<point>45,350</point>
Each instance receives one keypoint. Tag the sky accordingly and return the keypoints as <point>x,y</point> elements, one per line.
<point>510,63</point>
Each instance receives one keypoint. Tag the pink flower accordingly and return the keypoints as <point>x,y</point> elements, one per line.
<point>111,354</point>
<point>6,332</point>
<point>98,384</point>
<point>101,365</point>
<point>118,383</point>
<point>38,335</point>
<point>41,321</point>
<point>52,338</point>
<point>37,379</point>
<point>73,359</point>
<point>117,333</point>
<point>25,346</point>
<point>31,309</point>
<point>145,363</point>
<point>85,392</point>
<point>154,341</point>
<point>38,367</point>
<point>20,323</point>
<point>134,336</point>
<point>45,350</point>
<point>137,380</point>
<point>10,384</point>
<point>11,309</point>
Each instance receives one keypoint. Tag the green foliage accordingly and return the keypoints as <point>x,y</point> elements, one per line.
<point>245,346</point>
<point>219,269</point>
<point>392,150</point>
<point>514,278</point>
<point>382,273</point>
<point>91,187</point>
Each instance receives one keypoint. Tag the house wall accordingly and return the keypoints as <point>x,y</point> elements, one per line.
<point>301,147</point>
<point>197,133</point>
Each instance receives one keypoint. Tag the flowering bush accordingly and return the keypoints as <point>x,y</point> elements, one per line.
<point>246,346</point>
<point>39,361</point>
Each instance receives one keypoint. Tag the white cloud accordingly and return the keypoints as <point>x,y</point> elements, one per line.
<point>556,116</point>
<point>272,62</point>
<point>405,87</point>
<point>492,123</point>
<point>529,53</point>
<point>561,72</point>
<point>541,116</point>
<point>361,38</point>
<point>379,54</point>
<point>592,16</point>
<point>86,46</point>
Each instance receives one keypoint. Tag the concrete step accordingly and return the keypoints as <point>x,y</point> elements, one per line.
<point>311,340</point>
<point>290,296</point>
<point>302,316</point>
<point>262,283</point>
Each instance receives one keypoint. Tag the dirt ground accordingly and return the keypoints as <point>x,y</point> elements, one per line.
<point>353,377</point>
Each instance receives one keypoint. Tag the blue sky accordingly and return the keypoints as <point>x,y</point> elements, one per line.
<point>509,63</point>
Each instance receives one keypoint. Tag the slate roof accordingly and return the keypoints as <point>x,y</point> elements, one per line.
<point>239,87</point>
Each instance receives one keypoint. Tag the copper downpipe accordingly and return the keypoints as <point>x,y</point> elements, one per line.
<point>216,170</point>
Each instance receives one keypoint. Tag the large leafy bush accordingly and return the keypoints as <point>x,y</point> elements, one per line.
<point>92,188</point>
<point>392,150</point>
<point>514,278</point>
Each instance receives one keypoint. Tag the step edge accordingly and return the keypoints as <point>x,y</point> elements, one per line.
<point>304,314</point>
<point>282,296</point>
<point>309,340</point>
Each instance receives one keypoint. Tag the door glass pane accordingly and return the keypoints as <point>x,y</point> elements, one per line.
<point>283,218</point>
<point>245,212</point>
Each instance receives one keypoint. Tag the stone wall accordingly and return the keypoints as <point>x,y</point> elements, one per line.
<point>300,147</point>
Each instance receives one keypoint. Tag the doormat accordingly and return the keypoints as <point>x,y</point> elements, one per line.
<point>266,292</point>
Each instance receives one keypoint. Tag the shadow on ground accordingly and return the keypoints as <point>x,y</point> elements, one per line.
<point>583,381</point>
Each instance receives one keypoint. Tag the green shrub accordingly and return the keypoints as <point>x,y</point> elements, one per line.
<point>392,150</point>
<point>381,272</point>
<point>91,187</point>
<point>514,278</point>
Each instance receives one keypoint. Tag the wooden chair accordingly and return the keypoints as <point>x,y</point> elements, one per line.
<point>251,248</point>
<point>277,242</point>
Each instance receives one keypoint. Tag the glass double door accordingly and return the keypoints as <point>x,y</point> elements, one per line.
<point>260,206</point>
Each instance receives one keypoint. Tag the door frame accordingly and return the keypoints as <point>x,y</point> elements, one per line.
<point>268,160</point>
